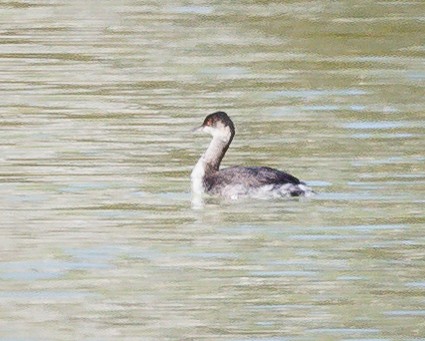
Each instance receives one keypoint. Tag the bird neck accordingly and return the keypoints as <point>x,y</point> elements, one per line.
<point>215,152</point>
<point>209,162</point>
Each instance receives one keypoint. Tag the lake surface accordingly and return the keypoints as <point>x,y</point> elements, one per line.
<point>98,239</point>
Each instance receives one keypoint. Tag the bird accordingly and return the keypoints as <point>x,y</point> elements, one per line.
<point>238,181</point>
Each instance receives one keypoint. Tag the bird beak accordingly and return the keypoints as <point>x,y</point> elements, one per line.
<point>197,129</point>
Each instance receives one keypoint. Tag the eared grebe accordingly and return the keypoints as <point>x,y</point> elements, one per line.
<point>235,182</point>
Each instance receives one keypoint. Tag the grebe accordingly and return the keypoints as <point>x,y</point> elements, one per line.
<point>236,182</point>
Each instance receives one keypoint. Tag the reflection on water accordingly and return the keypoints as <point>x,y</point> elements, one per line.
<point>98,237</point>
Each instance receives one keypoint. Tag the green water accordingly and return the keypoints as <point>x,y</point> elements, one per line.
<point>98,239</point>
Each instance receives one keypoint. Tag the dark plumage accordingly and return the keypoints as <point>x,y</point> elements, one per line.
<point>248,176</point>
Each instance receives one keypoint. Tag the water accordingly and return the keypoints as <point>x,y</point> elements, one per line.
<point>98,237</point>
